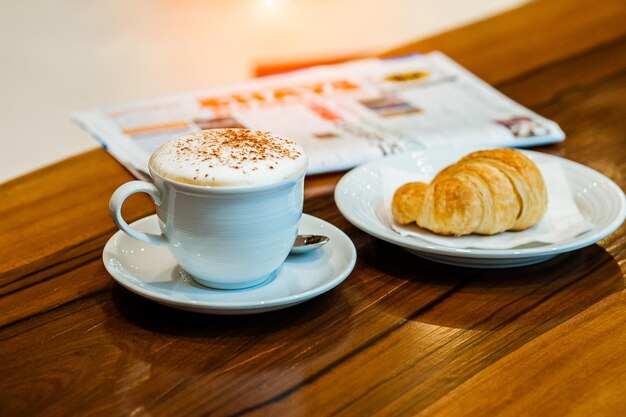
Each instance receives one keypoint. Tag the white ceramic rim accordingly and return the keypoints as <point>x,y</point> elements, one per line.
<point>248,305</point>
<point>206,189</point>
<point>382,232</point>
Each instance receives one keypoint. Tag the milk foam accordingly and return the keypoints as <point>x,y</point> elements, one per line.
<point>229,158</point>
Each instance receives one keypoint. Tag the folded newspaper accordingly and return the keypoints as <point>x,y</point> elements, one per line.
<point>343,115</point>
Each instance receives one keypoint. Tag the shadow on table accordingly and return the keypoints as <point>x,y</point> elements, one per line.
<point>171,342</point>
<point>162,319</point>
<point>537,296</point>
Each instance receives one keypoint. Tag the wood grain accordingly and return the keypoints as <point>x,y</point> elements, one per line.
<point>401,336</point>
<point>531,37</point>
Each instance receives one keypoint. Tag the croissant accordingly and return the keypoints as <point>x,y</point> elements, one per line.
<point>486,192</point>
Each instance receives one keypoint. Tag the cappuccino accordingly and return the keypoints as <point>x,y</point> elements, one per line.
<point>229,158</point>
<point>229,203</point>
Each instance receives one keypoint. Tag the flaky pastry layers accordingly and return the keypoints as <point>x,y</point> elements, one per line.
<point>486,192</point>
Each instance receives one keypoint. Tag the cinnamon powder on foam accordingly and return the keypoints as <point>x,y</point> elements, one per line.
<point>242,150</point>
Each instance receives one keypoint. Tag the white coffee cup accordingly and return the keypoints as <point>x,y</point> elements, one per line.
<point>225,237</point>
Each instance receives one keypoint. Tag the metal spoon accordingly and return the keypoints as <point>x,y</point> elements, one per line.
<point>307,243</point>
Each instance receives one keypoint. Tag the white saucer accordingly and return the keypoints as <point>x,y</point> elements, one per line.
<point>359,196</point>
<point>152,272</point>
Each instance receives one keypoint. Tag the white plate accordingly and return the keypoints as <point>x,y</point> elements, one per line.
<point>359,198</point>
<point>152,272</point>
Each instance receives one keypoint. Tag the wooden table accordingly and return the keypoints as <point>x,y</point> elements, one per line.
<point>401,336</point>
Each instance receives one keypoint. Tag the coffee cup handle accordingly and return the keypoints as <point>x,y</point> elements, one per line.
<point>115,209</point>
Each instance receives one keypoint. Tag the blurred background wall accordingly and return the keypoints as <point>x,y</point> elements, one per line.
<point>64,55</point>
